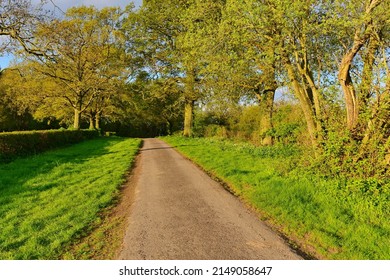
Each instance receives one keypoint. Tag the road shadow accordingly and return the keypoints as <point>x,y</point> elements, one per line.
<point>152,149</point>
<point>165,148</point>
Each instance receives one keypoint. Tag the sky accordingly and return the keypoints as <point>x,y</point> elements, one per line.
<point>65,4</point>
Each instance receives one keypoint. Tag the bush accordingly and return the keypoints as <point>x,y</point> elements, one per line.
<point>214,130</point>
<point>21,143</point>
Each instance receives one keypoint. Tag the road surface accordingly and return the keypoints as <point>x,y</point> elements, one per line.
<point>179,212</point>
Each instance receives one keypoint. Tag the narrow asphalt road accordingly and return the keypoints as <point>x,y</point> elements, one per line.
<point>179,212</point>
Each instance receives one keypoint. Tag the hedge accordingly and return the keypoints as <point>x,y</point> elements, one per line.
<point>21,143</point>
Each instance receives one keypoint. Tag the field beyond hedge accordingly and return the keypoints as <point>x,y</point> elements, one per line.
<point>50,200</point>
<point>330,218</point>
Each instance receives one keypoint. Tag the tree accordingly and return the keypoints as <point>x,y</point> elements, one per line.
<point>18,21</point>
<point>363,68</point>
<point>20,101</point>
<point>301,55</point>
<point>84,56</point>
<point>366,30</point>
<point>194,48</point>
<point>362,72</point>
<point>247,58</point>
<point>147,107</point>
<point>172,43</point>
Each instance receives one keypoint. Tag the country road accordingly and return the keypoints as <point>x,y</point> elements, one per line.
<point>179,212</point>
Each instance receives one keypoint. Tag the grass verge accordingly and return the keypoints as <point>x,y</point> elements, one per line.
<point>50,200</point>
<point>328,218</point>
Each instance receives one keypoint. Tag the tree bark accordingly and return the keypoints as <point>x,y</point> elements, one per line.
<point>361,36</point>
<point>347,86</point>
<point>305,102</point>
<point>77,117</point>
<point>97,121</point>
<point>266,121</point>
<point>188,117</point>
<point>190,97</point>
<point>91,123</point>
<point>265,94</point>
<point>266,102</point>
<point>310,89</point>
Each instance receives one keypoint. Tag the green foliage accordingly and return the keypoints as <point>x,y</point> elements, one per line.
<point>17,103</point>
<point>342,157</point>
<point>86,62</point>
<point>286,133</point>
<point>50,200</point>
<point>249,122</point>
<point>22,143</point>
<point>245,123</point>
<point>340,218</point>
<point>214,130</point>
<point>149,108</point>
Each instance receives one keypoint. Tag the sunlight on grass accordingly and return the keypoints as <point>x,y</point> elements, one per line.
<point>339,219</point>
<point>49,200</point>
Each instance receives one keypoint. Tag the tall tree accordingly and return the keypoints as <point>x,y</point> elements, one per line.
<point>174,41</point>
<point>83,56</point>
<point>362,39</point>
<point>248,58</point>
<point>200,20</point>
<point>363,74</point>
<point>299,25</point>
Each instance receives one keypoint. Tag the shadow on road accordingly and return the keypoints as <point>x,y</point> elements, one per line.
<point>151,149</point>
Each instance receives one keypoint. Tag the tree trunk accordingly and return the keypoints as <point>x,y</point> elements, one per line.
<point>266,101</point>
<point>311,91</point>
<point>346,83</point>
<point>77,117</point>
<point>361,36</point>
<point>97,121</point>
<point>305,102</point>
<point>188,117</point>
<point>92,116</point>
<point>266,122</point>
<point>91,123</point>
<point>189,100</point>
<point>266,94</point>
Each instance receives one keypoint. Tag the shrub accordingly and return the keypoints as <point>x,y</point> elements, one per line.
<point>21,143</point>
<point>214,130</point>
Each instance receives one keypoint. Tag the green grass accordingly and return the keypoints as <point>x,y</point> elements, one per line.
<point>50,200</point>
<point>340,219</point>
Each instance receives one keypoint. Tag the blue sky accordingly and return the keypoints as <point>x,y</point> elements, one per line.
<point>65,4</point>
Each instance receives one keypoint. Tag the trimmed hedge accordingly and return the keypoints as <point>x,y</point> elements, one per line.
<point>21,143</point>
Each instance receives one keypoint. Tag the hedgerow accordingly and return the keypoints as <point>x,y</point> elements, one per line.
<point>22,143</point>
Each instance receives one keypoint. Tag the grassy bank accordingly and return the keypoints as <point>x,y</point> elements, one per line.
<point>335,218</point>
<point>50,200</point>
